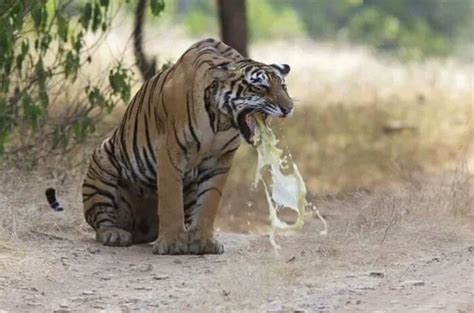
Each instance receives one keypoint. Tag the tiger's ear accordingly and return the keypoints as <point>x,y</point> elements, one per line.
<point>283,69</point>
<point>222,72</point>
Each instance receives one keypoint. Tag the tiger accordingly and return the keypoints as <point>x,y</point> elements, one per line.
<point>159,177</point>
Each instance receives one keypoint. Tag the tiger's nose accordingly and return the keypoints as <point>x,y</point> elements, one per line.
<point>287,111</point>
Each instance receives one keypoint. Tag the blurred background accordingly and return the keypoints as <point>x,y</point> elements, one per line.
<point>383,89</point>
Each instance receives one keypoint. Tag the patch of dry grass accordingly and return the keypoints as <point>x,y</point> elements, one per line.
<point>24,212</point>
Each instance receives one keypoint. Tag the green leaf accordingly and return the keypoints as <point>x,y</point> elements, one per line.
<point>95,97</point>
<point>71,65</point>
<point>119,81</point>
<point>78,42</point>
<point>18,16</point>
<point>4,82</point>
<point>45,42</point>
<point>157,6</point>
<point>63,27</point>
<point>97,19</point>
<point>19,62</point>
<point>86,15</point>
<point>3,140</point>
<point>25,46</point>
<point>37,14</point>
<point>31,112</point>
<point>44,98</point>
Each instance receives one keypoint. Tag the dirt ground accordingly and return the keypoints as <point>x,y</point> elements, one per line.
<point>398,249</point>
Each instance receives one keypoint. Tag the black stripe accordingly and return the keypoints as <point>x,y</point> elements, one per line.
<point>125,201</point>
<point>152,93</point>
<point>190,124</point>
<point>172,163</point>
<point>148,141</point>
<point>108,148</point>
<point>201,53</point>
<point>103,204</point>
<point>231,150</point>
<point>102,220</point>
<point>211,174</point>
<point>96,162</point>
<point>145,87</point>
<point>138,157</point>
<point>162,93</point>
<point>99,177</point>
<point>207,105</point>
<point>227,50</point>
<point>203,62</point>
<point>230,141</point>
<point>208,189</point>
<point>187,206</point>
<point>181,145</point>
<point>100,192</point>
<point>149,164</point>
<point>240,89</point>
<point>87,197</point>
<point>127,160</point>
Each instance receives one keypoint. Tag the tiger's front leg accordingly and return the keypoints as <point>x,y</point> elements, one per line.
<point>172,236</point>
<point>211,180</point>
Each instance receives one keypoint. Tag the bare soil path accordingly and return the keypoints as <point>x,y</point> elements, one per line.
<point>310,273</point>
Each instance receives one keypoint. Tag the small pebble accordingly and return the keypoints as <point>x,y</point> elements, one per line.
<point>414,283</point>
<point>377,274</point>
<point>88,292</point>
<point>93,250</point>
<point>146,268</point>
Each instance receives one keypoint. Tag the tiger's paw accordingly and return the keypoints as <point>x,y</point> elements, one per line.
<point>114,237</point>
<point>173,247</point>
<point>203,242</point>
<point>206,246</point>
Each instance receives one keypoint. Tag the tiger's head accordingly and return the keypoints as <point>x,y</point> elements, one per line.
<point>248,88</point>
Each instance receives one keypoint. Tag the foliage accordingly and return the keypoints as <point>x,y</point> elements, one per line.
<point>270,22</point>
<point>201,18</point>
<point>42,52</point>
<point>411,28</point>
<point>265,21</point>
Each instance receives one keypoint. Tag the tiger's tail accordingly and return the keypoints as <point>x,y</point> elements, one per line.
<point>52,200</point>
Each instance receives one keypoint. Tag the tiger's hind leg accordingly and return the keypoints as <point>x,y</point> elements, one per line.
<point>105,209</point>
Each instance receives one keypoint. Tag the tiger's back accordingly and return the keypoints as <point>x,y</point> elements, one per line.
<point>168,102</point>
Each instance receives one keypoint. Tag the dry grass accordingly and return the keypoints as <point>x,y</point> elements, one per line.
<point>25,213</point>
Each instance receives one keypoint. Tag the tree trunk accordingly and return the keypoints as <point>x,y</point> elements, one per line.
<point>146,66</point>
<point>233,24</point>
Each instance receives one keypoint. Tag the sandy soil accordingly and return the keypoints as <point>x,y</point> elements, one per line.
<point>371,261</point>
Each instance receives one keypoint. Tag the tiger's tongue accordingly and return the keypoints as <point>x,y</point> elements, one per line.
<point>251,124</point>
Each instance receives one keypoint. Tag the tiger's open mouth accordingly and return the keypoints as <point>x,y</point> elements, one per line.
<point>247,124</point>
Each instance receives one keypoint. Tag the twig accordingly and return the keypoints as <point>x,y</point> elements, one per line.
<point>392,222</point>
<point>50,236</point>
